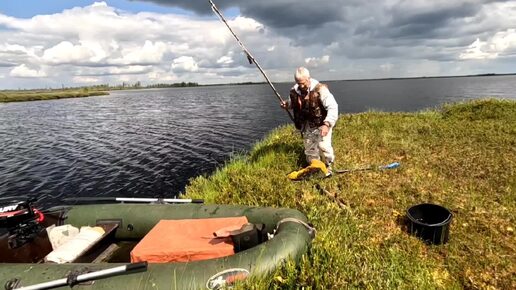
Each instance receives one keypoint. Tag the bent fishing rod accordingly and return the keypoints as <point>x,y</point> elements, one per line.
<point>249,55</point>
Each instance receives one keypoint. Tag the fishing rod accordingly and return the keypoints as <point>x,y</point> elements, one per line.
<point>249,55</point>
<point>383,167</point>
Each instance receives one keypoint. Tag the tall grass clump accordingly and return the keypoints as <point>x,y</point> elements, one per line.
<point>461,156</point>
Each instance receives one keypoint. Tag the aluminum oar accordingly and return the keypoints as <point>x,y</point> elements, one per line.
<point>73,280</point>
<point>130,200</point>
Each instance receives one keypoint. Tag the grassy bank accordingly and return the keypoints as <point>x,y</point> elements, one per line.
<point>37,95</point>
<point>461,156</point>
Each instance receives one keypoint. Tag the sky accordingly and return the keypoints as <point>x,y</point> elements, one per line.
<point>50,44</point>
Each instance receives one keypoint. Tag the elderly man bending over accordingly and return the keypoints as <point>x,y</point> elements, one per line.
<point>315,114</point>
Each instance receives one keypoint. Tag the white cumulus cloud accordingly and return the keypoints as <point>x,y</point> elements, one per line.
<point>496,46</point>
<point>149,53</point>
<point>105,43</point>
<point>185,64</point>
<point>85,80</point>
<point>22,71</point>
<point>313,62</point>
<point>338,40</point>
<point>66,52</point>
<point>225,60</point>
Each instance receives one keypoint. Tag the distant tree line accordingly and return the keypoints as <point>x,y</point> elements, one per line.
<point>108,87</point>
<point>174,85</point>
<point>126,86</point>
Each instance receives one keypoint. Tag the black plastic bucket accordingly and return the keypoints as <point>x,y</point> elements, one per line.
<point>429,222</point>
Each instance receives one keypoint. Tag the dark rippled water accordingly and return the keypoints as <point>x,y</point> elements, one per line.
<point>148,143</point>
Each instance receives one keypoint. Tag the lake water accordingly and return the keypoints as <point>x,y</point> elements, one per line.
<point>148,143</point>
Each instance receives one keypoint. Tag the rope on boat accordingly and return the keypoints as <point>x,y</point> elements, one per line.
<point>310,228</point>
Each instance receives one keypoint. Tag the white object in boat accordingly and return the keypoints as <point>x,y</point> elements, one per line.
<point>75,246</point>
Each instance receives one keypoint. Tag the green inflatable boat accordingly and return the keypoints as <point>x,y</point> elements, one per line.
<point>270,237</point>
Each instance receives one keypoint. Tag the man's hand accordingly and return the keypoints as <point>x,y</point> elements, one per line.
<point>324,129</point>
<point>284,105</point>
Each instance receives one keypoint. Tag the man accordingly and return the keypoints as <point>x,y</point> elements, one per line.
<point>315,114</point>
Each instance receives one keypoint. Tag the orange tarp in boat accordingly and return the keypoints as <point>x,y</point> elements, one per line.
<point>186,240</point>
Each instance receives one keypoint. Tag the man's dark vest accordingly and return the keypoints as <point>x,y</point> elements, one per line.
<point>311,110</point>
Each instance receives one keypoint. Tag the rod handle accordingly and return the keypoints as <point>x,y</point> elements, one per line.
<point>391,166</point>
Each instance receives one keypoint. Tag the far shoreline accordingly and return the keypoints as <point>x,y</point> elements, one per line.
<point>41,95</point>
<point>24,95</point>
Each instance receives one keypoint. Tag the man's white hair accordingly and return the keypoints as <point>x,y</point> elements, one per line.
<point>301,73</point>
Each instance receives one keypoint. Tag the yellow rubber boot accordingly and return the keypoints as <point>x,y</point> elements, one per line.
<point>315,165</point>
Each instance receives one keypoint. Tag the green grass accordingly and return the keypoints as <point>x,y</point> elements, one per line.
<point>37,95</point>
<point>462,156</point>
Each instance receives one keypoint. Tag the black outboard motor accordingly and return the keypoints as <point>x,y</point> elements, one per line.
<point>20,221</point>
<point>14,213</point>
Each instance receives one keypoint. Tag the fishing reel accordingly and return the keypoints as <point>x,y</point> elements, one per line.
<point>20,221</point>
